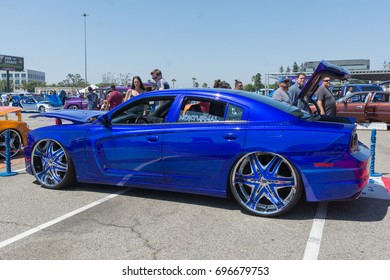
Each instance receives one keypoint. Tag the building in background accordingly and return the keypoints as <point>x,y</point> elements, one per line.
<point>348,64</point>
<point>19,77</point>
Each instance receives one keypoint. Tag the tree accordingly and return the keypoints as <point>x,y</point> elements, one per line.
<point>30,86</point>
<point>72,80</point>
<point>173,83</point>
<point>295,67</point>
<point>122,79</point>
<point>3,85</point>
<point>196,84</point>
<point>301,68</point>
<point>125,79</point>
<point>249,87</point>
<point>193,81</point>
<point>256,79</point>
<point>288,70</point>
<point>281,69</point>
<point>204,85</point>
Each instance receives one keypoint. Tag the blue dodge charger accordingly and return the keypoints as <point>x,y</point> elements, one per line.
<point>216,142</point>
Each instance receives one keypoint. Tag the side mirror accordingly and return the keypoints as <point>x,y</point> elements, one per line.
<point>104,119</point>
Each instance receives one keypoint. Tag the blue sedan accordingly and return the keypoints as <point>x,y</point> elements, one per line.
<point>263,153</point>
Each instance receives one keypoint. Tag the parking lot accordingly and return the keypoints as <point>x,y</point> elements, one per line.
<point>87,221</point>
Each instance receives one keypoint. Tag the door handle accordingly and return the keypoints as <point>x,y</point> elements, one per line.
<point>152,138</point>
<point>230,136</point>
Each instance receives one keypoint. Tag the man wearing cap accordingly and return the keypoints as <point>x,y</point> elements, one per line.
<point>281,93</point>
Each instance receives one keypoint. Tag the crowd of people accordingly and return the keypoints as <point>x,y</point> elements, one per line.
<point>285,92</point>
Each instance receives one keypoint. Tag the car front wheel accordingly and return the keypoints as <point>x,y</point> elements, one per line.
<point>42,109</point>
<point>15,142</point>
<point>265,184</point>
<point>52,165</point>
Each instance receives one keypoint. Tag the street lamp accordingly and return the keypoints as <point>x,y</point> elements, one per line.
<point>85,46</point>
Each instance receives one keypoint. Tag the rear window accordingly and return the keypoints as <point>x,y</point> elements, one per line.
<point>277,104</point>
<point>371,88</point>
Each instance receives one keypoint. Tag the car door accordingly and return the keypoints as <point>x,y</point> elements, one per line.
<point>353,106</point>
<point>202,143</point>
<point>378,107</point>
<point>127,149</point>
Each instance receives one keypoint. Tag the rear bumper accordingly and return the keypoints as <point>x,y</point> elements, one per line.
<point>338,183</point>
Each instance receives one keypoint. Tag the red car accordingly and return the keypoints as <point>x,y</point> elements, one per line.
<point>365,106</point>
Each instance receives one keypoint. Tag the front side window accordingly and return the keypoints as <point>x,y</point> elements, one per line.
<point>144,111</point>
<point>358,98</point>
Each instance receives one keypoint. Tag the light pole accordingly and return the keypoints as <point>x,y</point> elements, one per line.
<point>85,47</point>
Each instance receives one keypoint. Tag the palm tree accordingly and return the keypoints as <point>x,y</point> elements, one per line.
<point>173,83</point>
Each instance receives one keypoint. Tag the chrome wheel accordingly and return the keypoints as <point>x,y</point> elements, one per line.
<point>51,164</point>
<point>73,107</point>
<point>15,142</point>
<point>42,109</point>
<point>265,184</point>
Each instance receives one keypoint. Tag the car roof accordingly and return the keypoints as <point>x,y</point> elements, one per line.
<point>8,109</point>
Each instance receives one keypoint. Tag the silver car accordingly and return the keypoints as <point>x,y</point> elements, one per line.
<point>37,103</point>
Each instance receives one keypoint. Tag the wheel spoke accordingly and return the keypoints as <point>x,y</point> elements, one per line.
<point>255,196</point>
<point>255,165</point>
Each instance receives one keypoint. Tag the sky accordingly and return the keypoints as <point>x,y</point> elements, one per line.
<point>186,39</point>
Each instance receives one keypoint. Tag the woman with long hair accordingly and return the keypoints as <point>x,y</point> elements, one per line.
<point>137,88</point>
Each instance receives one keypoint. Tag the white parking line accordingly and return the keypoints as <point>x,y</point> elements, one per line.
<point>314,241</point>
<point>59,219</point>
<point>20,170</point>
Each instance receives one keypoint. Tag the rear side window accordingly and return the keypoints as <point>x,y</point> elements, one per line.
<point>234,113</point>
<point>198,110</point>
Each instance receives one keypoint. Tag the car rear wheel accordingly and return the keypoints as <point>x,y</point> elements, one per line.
<point>52,165</point>
<point>42,109</point>
<point>73,107</point>
<point>15,142</point>
<point>265,184</point>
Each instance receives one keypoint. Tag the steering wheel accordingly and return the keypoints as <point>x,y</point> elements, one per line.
<point>141,119</point>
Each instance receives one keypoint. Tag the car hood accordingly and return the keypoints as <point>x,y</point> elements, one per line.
<point>323,69</point>
<point>53,99</point>
<point>76,116</point>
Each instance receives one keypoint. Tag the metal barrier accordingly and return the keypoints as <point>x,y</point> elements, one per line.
<point>8,171</point>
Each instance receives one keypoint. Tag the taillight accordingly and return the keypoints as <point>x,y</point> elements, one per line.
<point>354,142</point>
<point>58,121</point>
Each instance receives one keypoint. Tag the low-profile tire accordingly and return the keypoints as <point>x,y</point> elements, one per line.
<point>73,107</point>
<point>15,142</point>
<point>42,109</point>
<point>265,184</point>
<point>52,165</point>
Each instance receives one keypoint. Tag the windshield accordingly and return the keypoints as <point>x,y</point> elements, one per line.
<point>38,98</point>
